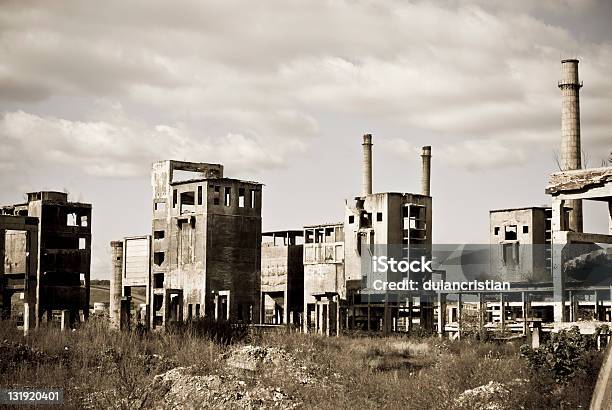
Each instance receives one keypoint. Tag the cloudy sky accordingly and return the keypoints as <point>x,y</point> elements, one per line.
<point>281,92</point>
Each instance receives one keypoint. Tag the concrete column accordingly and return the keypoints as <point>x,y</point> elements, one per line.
<point>124,315</point>
<point>559,240</point>
<point>116,283</point>
<point>482,311</point>
<point>65,322</point>
<point>502,312</point>
<point>26,318</point>
<point>426,171</point>
<point>570,131</point>
<point>337,299</point>
<point>524,311</point>
<point>459,308</point>
<point>367,164</point>
<point>441,314</point>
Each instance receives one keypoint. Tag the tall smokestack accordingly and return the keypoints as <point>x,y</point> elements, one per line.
<point>116,283</point>
<point>426,174</point>
<point>367,164</point>
<point>570,131</point>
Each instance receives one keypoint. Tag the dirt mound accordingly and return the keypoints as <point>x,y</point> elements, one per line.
<point>180,388</point>
<point>491,396</point>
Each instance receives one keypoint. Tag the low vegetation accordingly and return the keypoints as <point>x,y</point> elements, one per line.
<point>228,367</point>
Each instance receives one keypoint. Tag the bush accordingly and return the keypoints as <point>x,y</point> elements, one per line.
<point>564,356</point>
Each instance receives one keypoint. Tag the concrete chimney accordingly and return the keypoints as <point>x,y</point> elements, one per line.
<point>367,164</point>
<point>116,283</point>
<point>426,173</point>
<point>570,131</point>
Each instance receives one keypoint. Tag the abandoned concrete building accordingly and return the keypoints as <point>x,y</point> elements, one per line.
<point>46,244</point>
<point>19,270</point>
<point>282,277</point>
<point>205,252</point>
<point>324,284</point>
<point>552,280</point>
<point>334,294</point>
<point>131,261</point>
<point>524,238</point>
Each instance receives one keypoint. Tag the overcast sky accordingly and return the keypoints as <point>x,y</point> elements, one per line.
<point>281,92</point>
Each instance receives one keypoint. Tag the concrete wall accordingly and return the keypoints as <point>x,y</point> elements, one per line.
<point>526,254</point>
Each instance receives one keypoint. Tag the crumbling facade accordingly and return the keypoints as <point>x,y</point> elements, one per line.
<point>569,260</point>
<point>282,277</point>
<point>206,256</point>
<point>131,261</point>
<point>334,293</point>
<point>324,277</point>
<point>19,292</point>
<point>63,252</point>
<point>521,244</point>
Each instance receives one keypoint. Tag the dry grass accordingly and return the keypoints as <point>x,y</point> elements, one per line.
<point>347,372</point>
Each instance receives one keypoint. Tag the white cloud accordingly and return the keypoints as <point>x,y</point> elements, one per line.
<point>126,148</point>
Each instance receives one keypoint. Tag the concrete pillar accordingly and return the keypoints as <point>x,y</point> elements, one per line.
<point>441,314</point>
<point>535,335</point>
<point>124,315</point>
<point>337,299</point>
<point>65,322</point>
<point>116,283</point>
<point>502,312</point>
<point>459,308</point>
<point>570,131</point>
<point>367,164</point>
<point>26,318</point>
<point>559,240</point>
<point>482,311</point>
<point>526,307</point>
<point>426,172</point>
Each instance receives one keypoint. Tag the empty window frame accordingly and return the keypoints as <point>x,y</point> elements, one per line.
<point>217,195</point>
<point>227,196</point>
<point>496,230</point>
<point>525,228</point>
<point>197,310</point>
<point>71,219</point>
<point>84,221</point>
<point>159,206</point>
<point>253,198</point>
<point>158,280</point>
<point>379,216</point>
<point>241,197</point>
<point>158,258</point>
<point>174,198</point>
<point>510,254</point>
<point>82,243</point>
<point>351,219</point>
<point>510,233</point>
<point>199,194</point>
<point>187,202</point>
<point>159,234</point>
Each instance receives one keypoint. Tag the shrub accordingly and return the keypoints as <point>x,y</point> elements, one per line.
<point>564,356</point>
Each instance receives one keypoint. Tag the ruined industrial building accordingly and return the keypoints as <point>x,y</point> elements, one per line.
<point>206,255</point>
<point>45,244</point>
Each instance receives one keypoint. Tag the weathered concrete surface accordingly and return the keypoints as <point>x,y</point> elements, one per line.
<point>207,244</point>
